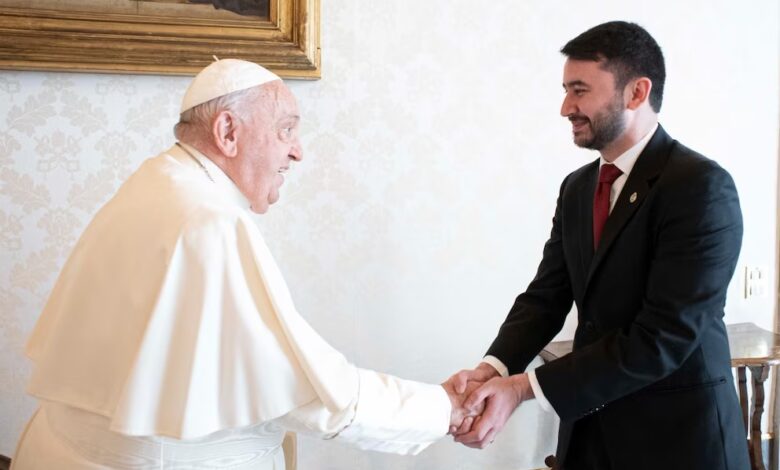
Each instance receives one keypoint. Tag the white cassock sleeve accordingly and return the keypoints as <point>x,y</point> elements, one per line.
<point>382,412</point>
<point>388,415</point>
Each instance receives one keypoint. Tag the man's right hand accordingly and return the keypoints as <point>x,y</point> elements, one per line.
<point>459,387</point>
<point>482,373</point>
<point>500,397</point>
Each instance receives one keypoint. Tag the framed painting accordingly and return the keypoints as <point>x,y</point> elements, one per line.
<point>175,37</point>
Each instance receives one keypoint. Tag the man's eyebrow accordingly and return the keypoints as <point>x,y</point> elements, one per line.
<point>574,83</point>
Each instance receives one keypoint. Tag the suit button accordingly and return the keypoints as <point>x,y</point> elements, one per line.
<point>590,327</point>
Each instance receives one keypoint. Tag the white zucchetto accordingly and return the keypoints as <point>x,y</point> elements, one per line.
<point>223,77</point>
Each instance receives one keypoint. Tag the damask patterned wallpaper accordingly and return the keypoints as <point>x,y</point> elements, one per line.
<point>433,154</point>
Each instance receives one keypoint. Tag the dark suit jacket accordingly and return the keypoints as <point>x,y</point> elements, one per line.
<point>651,357</point>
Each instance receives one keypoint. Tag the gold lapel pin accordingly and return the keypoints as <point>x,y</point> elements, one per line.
<point>632,199</point>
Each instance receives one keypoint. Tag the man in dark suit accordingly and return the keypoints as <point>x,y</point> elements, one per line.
<point>644,242</point>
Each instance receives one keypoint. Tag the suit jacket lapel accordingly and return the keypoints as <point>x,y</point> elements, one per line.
<point>586,187</point>
<point>646,169</point>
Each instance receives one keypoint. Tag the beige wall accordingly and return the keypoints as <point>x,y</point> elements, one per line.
<point>434,152</point>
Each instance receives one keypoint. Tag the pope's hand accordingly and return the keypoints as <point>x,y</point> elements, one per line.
<point>462,417</point>
<point>464,382</point>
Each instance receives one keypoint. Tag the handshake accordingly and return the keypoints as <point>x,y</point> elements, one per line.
<point>482,402</point>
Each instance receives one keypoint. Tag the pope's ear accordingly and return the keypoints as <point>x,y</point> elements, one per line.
<point>224,129</point>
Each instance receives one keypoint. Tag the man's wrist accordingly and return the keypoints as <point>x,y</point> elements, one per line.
<point>497,364</point>
<point>488,370</point>
<point>522,387</point>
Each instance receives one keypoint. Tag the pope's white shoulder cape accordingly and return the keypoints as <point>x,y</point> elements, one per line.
<point>171,317</point>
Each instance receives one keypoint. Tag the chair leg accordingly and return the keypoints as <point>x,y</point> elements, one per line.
<point>759,375</point>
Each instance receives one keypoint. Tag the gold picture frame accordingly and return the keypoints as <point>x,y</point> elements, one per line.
<point>151,38</point>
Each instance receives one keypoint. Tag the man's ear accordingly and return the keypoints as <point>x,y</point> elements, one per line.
<point>637,92</point>
<point>225,131</point>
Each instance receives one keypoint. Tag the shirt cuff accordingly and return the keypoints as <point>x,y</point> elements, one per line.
<point>496,364</point>
<point>546,406</point>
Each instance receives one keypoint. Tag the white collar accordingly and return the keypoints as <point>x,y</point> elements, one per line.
<point>625,162</point>
<point>210,170</point>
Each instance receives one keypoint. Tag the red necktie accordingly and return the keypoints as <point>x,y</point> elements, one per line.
<point>607,175</point>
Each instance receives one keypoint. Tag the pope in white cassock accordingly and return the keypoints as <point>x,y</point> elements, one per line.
<point>170,339</point>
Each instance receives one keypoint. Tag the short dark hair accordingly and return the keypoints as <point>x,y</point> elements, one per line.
<point>628,51</point>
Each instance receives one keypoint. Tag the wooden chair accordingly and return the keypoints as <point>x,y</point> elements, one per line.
<point>751,348</point>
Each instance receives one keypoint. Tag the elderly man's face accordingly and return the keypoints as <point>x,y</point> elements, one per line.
<point>267,146</point>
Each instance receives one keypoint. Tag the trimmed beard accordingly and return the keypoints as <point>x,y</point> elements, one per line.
<point>606,125</point>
